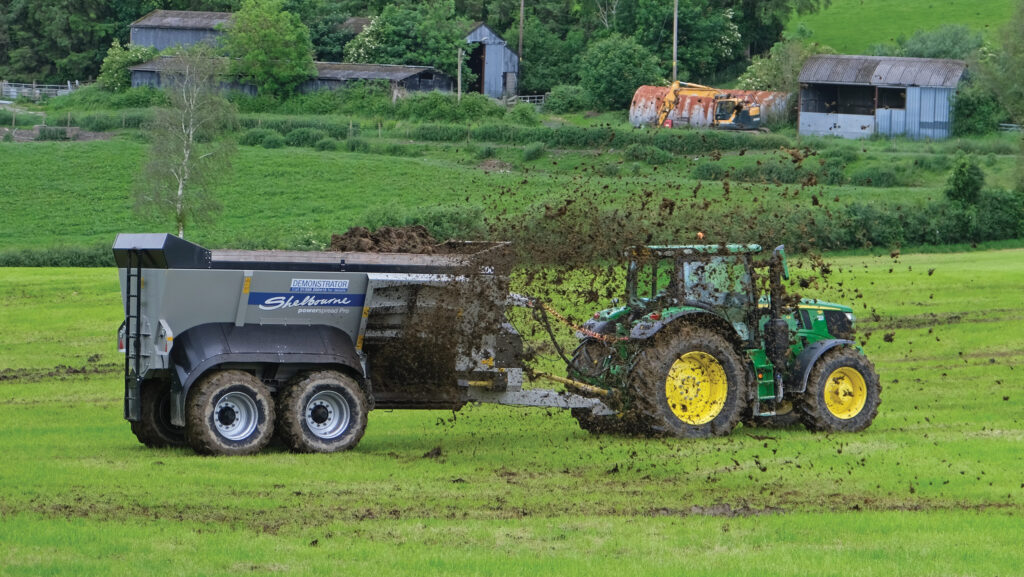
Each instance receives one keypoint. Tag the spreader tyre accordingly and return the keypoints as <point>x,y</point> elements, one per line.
<point>155,429</point>
<point>690,383</point>
<point>842,393</point>
<point>322,412</point>
<point>229,412</point>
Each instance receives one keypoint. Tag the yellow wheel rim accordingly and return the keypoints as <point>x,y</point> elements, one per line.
<point>845,393</point>
<point>696,388</point>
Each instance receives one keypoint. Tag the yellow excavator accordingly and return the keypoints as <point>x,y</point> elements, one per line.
<point>730,112</point>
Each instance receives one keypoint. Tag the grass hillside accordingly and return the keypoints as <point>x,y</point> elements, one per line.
<point>934,487</point>
<point>852,26</point>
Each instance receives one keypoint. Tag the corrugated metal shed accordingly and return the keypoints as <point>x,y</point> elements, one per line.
<point>348,71</point>
<point>182,19</point>
<point>500,69</point>
<point>881,71</point>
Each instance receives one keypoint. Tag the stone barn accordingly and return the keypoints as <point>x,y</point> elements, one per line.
<point>163,29</point>
<point>857,96</point>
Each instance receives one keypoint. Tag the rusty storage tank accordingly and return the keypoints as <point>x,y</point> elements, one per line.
<point>696,105</point>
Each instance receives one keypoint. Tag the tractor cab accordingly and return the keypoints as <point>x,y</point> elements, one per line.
<point>736,114</point>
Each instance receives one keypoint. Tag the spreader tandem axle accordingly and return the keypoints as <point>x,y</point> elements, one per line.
<point>225,349</point>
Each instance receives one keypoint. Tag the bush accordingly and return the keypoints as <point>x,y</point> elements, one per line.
<point>305,137</point>
<point>115,75</point>
<point>533,151</point>
<point>327,144</point>
<point>485,152</point>
<point>613,68</point>
<point>965,181</point>
<point>106,121</point>
<point>566,98</point>
<point>395,149</point>
<point>89,256</point>
<point>334,126</point>
<point>255,136</point>
<point>357,145</point>
<point>647,153</point>
<point>976,109</point>
<point>273,140</point>
<point>52,133</point>
<point>881,176</point>
<point>523,114</point>
<point>20,118</point>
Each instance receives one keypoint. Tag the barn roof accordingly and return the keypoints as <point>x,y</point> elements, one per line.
<point>881,71</point>
<point>350,71</point>
<point>324,70</point>
<point>186,19</point>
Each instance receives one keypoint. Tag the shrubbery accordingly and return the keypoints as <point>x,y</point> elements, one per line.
<point>533,151</point>
<point>305,137</point>
<point>115,75</point>
<point>327,144</point>
<point>53,133</point>
<point>647,153</point>
<point>565,98</point>
<point>273,140</point>
<point>255,136</point>
<point>523,114</point>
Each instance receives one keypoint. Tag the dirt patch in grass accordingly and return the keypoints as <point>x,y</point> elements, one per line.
<point>58,372</point>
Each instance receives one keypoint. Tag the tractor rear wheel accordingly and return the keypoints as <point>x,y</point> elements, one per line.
<point>843,392</point>
<point>155,429</point>
<point>322,412</point>
<point>229,412</point>
<point>690,382</point>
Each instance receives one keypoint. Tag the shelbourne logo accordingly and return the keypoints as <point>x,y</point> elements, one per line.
<point>276,301</point>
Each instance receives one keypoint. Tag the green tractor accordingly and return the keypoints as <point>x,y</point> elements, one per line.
<point>707,338</point>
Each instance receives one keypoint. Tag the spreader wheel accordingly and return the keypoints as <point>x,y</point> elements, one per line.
<point>322,412</point>
<point>154,429</point>
<point>229,412</point>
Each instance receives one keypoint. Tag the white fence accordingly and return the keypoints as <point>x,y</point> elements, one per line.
<point>14,90</point>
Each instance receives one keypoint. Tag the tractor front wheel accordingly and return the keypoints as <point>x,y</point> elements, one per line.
<point>842,392</point>
<point>690,382</point>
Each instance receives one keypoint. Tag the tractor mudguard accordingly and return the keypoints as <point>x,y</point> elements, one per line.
<point>647,329</point>
<point>205,347</point>
<point>797,381</point>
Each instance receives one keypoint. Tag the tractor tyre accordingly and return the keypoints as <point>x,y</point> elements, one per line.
<point>787,418</point>
<point>322,412</point>
<point>155,429</point>
<point>690,382</point>
<point>842,392</point>
<point>229,412</point>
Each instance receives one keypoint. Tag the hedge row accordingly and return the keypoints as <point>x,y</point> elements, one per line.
<point>674,141</point>
<point>334,126</point>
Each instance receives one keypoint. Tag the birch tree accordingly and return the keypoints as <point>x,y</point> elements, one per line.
<point>188,152</point>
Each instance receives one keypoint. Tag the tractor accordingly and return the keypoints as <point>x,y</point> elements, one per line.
<point>707,337</point>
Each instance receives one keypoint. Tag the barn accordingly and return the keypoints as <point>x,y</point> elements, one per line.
<point>163,29</point>
<point>494,65</point>
<point>329,76</point>
<point>857,96</point>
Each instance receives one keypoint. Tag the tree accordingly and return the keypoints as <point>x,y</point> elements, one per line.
<point>709,40</point>
<point>780,69</point>
<point>186,156</point>
<point>612,69</point>
<point>424,33</point>
<point>548,59</point>
<point>1003,68</point>
<point>954,41</point>
<point>269,47</point>
<point>115,75</point>
<point>324,19</point>
<point>965,181</point>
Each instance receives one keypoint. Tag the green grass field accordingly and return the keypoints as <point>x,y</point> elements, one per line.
<point>853,26</point>
<point>934,487</point>
<point>81,193</point>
